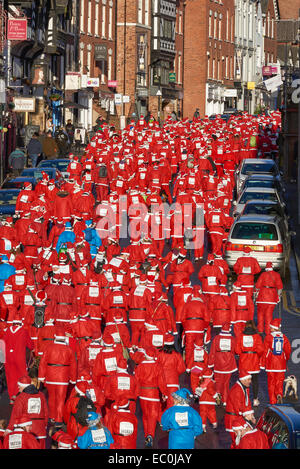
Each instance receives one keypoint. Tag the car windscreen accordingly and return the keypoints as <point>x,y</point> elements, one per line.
<point>259,168</point>
<point>260,209</point>
<point>260,183</point>
<point>255,231</point>
<point>257,195</point>
<point>8,198</point>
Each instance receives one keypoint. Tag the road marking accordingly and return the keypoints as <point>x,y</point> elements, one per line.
<point>290,309</point>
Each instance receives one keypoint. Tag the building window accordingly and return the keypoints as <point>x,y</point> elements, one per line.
<point>180,23</point>
<point>109,65</point>
<point>226,67</point>
<point>89,62</point>
<point>89,28</point>
<point>102,72</point>
<point>103,28</point>
<point>140,12</point>
<point>81,57</point>
<point>220,29</point>
<point>210,24</point>
<point>96,19</point>
<point>82,6</point>
<point>146,12</point>
<point>227,25</point>
<point>179,61</point>
<point>110,21</point>
<point>213,68</point>
<point>215,28</point>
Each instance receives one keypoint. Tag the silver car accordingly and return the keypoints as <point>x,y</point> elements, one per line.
<point>267,181</point>
<point>263,207</point>
<point>266,236</point>
<point>255,193</point>
<point>255,166</point>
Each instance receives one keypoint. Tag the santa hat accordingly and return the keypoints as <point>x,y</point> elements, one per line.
<point>238,424</point>
<point>122,364</point>
<point>237,285</point>
<point>63,257</point>
<point>93,418</point>
<point>107,340</point>
<point>226,327</point>
<point>41,296</point>
<point>143,278</point>
<point>121,403</point>
<point>247,249</point>
<point>23,421</point>
<point>59,332</point>
<point>24,381</point>
<point>151,353</point>
<point>276,324</point>
<point>63,439</point>
<point>169,339</point>
<point>244,375</point>
<point>182,393</point>
<point>210,257</point>
<point>269,266</point>
<point>182,252</point>
<point>81,387</point>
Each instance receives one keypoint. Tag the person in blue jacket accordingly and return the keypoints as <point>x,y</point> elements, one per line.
<point>182,421</point>
<point>92,237</point>
<point>96,436</point>
<point>6,270</point>
<point>67,236</point>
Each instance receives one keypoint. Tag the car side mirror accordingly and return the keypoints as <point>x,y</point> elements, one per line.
<point>293,233</point>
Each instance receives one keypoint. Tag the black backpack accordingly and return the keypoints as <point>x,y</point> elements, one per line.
<point>84,406</point>
<point>102,172</point>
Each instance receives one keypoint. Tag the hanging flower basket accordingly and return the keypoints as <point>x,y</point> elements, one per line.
<point>55,97</point>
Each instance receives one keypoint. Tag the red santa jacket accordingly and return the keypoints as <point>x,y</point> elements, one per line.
<point>123,424</point>
<point>277,351</point>
<point>58,364</point>
<point>268,284</point>
<point>222,354</point>
<point>20,439</point>
<point>238,405</point>
<point>32,404</point>
<point>249,348</point>
<point>254,439</point>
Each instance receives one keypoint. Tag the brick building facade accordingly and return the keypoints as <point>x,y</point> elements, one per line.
<point>208,56</point>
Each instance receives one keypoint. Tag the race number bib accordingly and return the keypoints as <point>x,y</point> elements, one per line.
<point>34,405</point>
<point>126,428</point>
<point>94,292</point>
<point>93,352</point>
<point>246,270</point>
<point>242,301</point>
<point>211,281</point>
<point>123,383</point>
<point>110,364</point>
<point>8,298</point>
<point>247,341</point>
<point>118,300</point>
<point>216,219</point>
<point>15,441</point>
<point>98,436</point>
<point>19,279</point>
<point>157,340</point>
<point>225,345</point>
<point>198,355</point>
<point>182,419</point>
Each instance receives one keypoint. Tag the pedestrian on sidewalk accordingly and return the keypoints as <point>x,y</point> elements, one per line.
<point>34,149</point>
<point>17,161</point>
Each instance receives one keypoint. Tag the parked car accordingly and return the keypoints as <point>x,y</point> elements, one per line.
<point>60,164</point>
<point>255,193</point>
<point>18,182</point>
<point>263,207</point>
<point>281,423</point>
<point>265,181</point>
<point>254,166</point>
<point>8,199</point>
<point>267,236</point>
